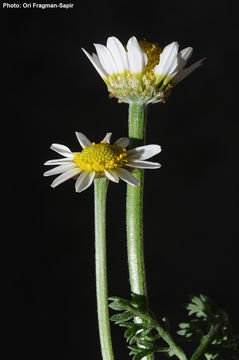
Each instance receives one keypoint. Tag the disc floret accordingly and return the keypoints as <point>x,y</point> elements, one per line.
<point>100,157</point>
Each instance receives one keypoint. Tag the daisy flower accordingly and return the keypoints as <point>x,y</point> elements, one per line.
<point>141,72</point>
<point>100,160</point>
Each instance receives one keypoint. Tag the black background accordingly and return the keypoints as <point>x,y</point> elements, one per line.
<point>191,231</point>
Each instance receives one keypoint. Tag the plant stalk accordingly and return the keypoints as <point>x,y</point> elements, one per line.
<point>134,210</point>
<point>206,340</point>
<point>134,206</point>
<point>100,192</point>
<point>174,348</point>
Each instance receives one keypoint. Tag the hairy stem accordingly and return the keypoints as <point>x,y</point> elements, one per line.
<point>174,348</point>
<point>134,210</point>
<point>206,340</point>
<point>100,191</point>
<point>134,217</point>
<point>134,206</point>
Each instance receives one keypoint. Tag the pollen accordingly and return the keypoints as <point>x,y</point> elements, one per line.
<point>100,157</point>
<point>152,50</point>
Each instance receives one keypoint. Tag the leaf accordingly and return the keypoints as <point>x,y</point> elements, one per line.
<point>207,315</point>
<point>133,339</point>
<point>184,325</point>
<point>135,349</point>
<point>147,334</point>
<point>152,338</point>
<point>210,356</point>
<point>140,336</point>
<point>142,354</point>
<point>132,324</point>
<point>116,298</point>
<point>131,335</point>
<point>119,318</point>
<point>147,344</point>
<point>182,332</point>
<point>117,305</point>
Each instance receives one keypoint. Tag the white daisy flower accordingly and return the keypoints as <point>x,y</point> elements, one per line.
<point>100,160</point>
<point>141,72</point>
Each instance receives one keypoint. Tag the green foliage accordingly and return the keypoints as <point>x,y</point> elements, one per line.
<point>210,325</point>
<point>140,333</point>
<point>224,350</point>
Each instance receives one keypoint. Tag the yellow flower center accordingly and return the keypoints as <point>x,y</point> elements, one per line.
<point>152,51</point>
<point>100,157</point>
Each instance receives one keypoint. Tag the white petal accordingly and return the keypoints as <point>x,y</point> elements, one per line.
<point>136,57</point>
<point>185,54</point>
<point>62,150</point>
<point>84,181</point>
<point>107,138</point>
<point>83,140</point>
<point>65,176</point>
<point>111,175</point>
<point>123,142</point>
<point>168,60</point>
<point>182,59</point>
<point>127,176</point>
<point>96,63</point>
<point>144,152</point>
<point>60,169</point>
<point>106,59</point>
<point>119,54</point>
<point>143,164</point>
<point>58,161</point>
<point>185,72</point>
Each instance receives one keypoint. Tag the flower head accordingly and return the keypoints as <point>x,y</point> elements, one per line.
<point>141,72</point>
<point>100,160</point>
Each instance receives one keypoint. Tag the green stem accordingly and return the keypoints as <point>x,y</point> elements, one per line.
<point>206,340</point>
<point>134,210</point>
<point>100,188</point>
<point>134,217</point>
<point>134,206</point>
<point>174,348</point>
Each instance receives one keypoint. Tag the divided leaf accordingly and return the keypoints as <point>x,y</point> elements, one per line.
<point>204,314</point>
<point>140,335</point>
